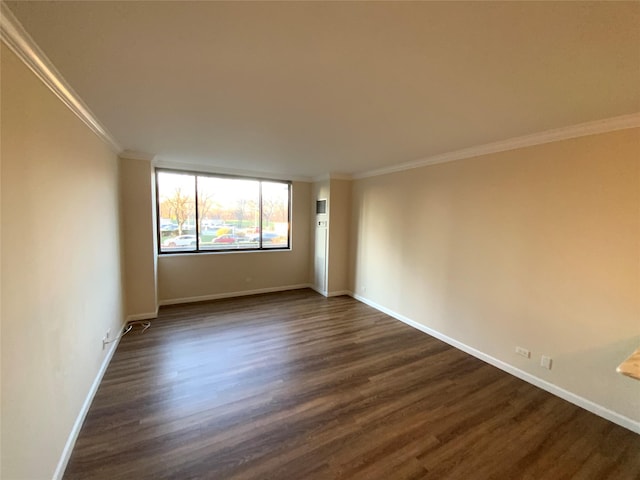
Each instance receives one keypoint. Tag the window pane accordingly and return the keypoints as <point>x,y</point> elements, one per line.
<point>177,212</point>
<point>275,215</point>
<point>229,213</point>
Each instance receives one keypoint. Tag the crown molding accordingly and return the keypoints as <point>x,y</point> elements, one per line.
<point>133,155</point>
<point>622,122</point>
<point>14,36</point>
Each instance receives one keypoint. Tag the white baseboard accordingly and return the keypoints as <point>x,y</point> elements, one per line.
<point>335,293</point>
<point>338,293</point>
<point>582,402</point>
<point>242,293</point>
<point>142,316</point>
<point>77,426</point>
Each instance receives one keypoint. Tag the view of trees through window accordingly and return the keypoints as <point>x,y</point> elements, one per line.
<point>200,212</point>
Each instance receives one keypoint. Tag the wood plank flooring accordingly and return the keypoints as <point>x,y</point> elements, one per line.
<point>293,386</point>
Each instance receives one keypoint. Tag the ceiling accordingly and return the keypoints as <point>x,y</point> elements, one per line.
<point>308,88</point>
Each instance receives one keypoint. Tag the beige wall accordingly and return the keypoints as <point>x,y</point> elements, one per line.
<point>339,221</point>
<point>138,240</point>
<point>204,275</point>
<point>60,263</point>
<point>537,247</point>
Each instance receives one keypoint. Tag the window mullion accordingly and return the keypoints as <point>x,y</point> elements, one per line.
<point>197,219</point>
<point>260,213</point>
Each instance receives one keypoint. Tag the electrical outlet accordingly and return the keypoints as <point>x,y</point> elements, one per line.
<point>523,352</point>
<point>105,339</point>
<point>364,289</point>
<point>545,362</point>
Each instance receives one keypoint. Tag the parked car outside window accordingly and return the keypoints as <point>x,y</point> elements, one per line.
<point>180,241</point>
<point>226,238</point>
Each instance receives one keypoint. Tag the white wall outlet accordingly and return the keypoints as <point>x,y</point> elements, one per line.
<point>105,339</point>
<point>364,289</point>
<point>523,352</point>
<point>545,362</point>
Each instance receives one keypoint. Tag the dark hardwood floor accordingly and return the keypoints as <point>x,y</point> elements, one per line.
<point>297,386</point>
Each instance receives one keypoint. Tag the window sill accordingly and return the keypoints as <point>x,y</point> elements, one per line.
<point>220,252</point>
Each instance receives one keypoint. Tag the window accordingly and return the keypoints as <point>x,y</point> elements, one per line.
<point>199,212</point>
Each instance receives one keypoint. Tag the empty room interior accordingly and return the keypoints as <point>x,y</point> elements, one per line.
<point>320,240</point>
